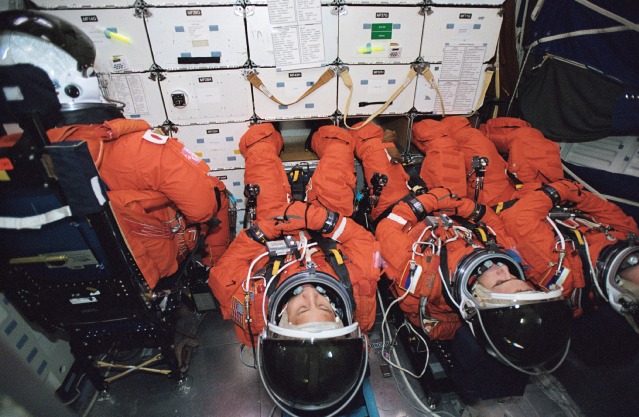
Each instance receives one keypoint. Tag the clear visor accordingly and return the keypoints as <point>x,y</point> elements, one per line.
<point>322,331</point>
<point>487,299</point>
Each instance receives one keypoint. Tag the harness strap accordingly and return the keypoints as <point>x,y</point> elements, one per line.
<point>503,205</point>
<point>587,302</point>
<point>412,73</point>
<point>255,80</point>
<point>516,181</point>
<point>390,208</point>
<point>443,265</point>
<point>274,264</point>
<point>335,259</point>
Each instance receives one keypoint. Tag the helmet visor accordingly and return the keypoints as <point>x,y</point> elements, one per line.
<point>312,374</point>
<point>527,335</point>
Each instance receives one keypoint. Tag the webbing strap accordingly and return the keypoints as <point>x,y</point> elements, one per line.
<point>390,208</point>
<point>443,265</point>
<point>516,181</point>
<point>37,221</point>
<point>586,301</point>
<point>334,257</point>
<point>348,82</point>
<point>255,80</point>
<point>503,205</point>
<point>484,89</point>
<point>274,264</point>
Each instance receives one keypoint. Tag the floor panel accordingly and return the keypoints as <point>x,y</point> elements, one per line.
<point>218,383</point>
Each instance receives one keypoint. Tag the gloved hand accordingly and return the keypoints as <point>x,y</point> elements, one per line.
<point>301,216</point>
<point>568,190</point>
<point>439,198</point>
<point>266,227</point>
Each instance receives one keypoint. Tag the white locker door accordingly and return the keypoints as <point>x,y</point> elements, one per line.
<point>216,144</point>
<point>288,86</point>
<point>189,3</point>
<point>389,2</point>
<point>613,154</point>
<point>118,35</point>
<point>197,37</point>
<point>460,26</point>
<point>461,94</point>
<point>219,96</point>
<point>373,85</point>
<point>379,34</point>
<point>140,94</point>
<point>261,43</point>
<point>78,4</point>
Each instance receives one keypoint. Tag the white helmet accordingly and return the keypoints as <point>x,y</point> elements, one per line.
<point>524,330</point>
<point>623,295</point>
<point>313,369</point>
<point>62,50</point>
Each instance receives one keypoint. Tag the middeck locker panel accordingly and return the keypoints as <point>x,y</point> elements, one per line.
<point>618,154</point>
<point>216,144</point>
<point>199,97</point>
<point>118,35</point>
<point>76,4</point>
<point>460,26</point>
<point>197,37</point>
<point>261,43</point>
<point>379,34</point>
<point>383,2</point>
<point>461,91</point>
<point>373,85</point>
<point>172,3</point>
<point>288,86</point>
<point>141,95</point>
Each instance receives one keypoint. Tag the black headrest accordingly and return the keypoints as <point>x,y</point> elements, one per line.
<point>27,91</point>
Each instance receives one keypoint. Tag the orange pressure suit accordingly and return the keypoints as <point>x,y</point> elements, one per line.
<point>534,160</point>
<point>540,245</point>
<point>400,229</point>
<point>261,145</point>
<point>149,177</point>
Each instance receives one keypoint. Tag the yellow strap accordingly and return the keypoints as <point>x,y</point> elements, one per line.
<point>257,83</point>
<point>482,233</point>
<point>296,175</point>
<point>430,79</point>
<point>484,88</point>
<point>338,256</point>
<point>276,266</point>
<point>348,82</point>
<point>346,78</point>
<point>500,207</point>
<point>579,237</point>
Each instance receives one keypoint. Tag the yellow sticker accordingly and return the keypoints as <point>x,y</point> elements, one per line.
<point>4,176</point>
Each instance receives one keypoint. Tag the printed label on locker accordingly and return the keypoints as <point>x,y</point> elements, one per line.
<point>379,35</point>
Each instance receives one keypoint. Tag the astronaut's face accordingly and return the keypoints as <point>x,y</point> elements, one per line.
<point>498,279</point>
<point>309,306</point>
<point>631,274</point>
